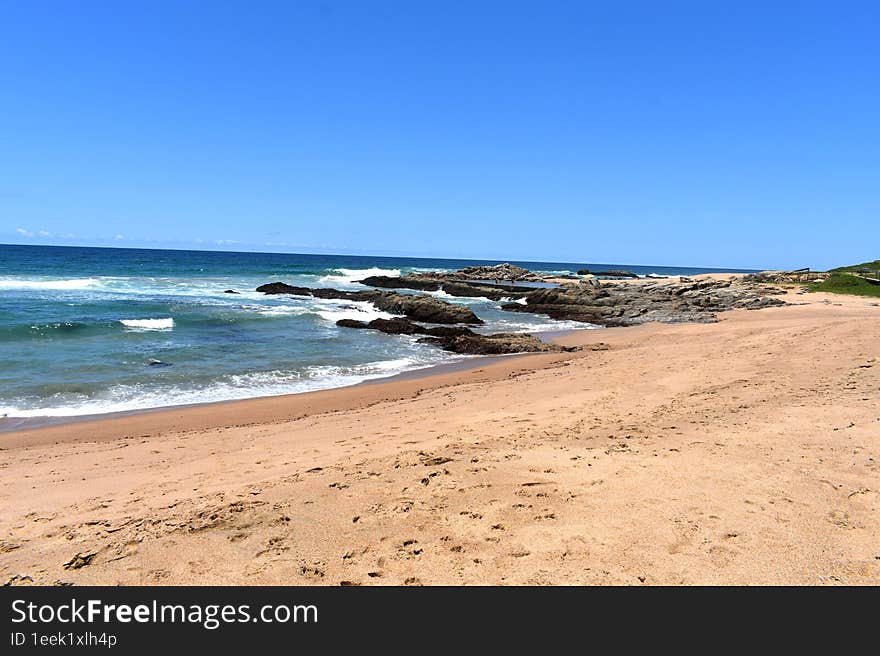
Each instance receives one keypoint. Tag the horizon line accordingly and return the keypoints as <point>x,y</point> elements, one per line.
<point>414,257</point>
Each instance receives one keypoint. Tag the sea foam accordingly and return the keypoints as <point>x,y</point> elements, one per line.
<point>127,398</point>
<point>61,285</point>
<point>148,324</point>
<point>351,276</point>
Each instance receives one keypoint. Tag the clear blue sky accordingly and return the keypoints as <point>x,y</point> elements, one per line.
<point>682,133</point>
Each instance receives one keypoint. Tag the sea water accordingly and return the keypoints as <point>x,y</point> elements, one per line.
<point>97,330</point>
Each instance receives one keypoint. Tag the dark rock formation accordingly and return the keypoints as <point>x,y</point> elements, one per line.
<point>423,308</point>
<point>453,287</point>
<point>416,307</point>
<point>398,326</point>
<point>283,288</point>
<point>625,304</point>
<point>504,271</point>
<point>458,339</point>
<point>352,323</point>
<point>230,291</point>
<point>498,344</point>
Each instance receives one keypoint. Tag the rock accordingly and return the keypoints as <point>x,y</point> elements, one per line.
<point>230,291</point>
<point>632,304</point>
<point>352,323</point>
<point>459,288</point>
<point>787,277</point>
<point>449,331</point>
<point>418,307</point>
<point>423,308</point>
<point>283,288</point>
<point>615,273</point>
<point>79,561</point>
<point>498,344</point>
<point>504,271</point>
<point>396,326</point>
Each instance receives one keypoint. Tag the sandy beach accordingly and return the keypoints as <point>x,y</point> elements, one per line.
<point>740,452</point>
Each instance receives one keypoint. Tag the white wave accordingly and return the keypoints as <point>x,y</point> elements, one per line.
<point>519,301</point>
<point>461,300</point>
<point>8,282</point>
<point>535,326</point>
<point>331,310</point>
<point>126,398</point>
<point>278,310</point>
<point>358,310</point>
<point>351,276</point>
<point>148,324</point>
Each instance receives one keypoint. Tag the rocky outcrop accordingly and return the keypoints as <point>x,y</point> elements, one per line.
<point>787,277</point>
<point>423,308</point>
<point>504,271</point>
<point>398,326</point>
<point>628,304</point>
<point>458,339</point>
<point>497,344</point>
<point>453,287</point>
<point>417,307</point>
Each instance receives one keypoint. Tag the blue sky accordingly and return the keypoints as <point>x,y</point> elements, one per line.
<point>682,133</point>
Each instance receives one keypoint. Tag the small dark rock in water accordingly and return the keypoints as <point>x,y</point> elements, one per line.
<point>230,291</point>
<point>284,288</point>
<point>153,362</point>
<point>396,326</point>
<point>351,323</point>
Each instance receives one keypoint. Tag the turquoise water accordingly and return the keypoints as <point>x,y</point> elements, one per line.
<point>80,326</point>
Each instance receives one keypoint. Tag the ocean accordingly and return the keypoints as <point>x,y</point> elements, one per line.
<point>82,329</point>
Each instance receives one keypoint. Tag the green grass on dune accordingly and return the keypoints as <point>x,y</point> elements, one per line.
<point>843,283</point>
<point>873,266</point>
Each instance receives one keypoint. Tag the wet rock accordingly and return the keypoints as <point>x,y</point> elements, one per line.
<point>230,291</point>
<point>424,308</point>
<point>611,273</point>
<point>399,326</point>
<point>284,288</point>
<point>396,326</point>
<point>418,307</point>
<point>453,287</point>
<point>352,323</point>
<point>497,344</point>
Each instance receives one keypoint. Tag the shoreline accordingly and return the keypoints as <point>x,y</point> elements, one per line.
<point>12,425</point>
<point>283,407</point>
